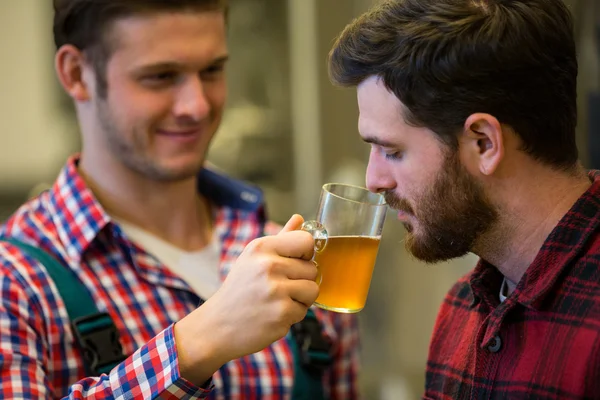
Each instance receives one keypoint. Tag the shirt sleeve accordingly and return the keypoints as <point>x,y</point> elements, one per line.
<point>25,333</point>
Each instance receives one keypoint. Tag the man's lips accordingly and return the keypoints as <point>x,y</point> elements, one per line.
<point>188,132</point>
<point>187,137</point>
<point>404,215</point>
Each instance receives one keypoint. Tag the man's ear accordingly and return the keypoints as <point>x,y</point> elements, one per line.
<point>70,66</point>
<point>482,143</point>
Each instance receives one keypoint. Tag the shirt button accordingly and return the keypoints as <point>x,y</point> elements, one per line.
<point>495,345</point>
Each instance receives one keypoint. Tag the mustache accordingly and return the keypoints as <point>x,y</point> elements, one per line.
<point>397,203</point>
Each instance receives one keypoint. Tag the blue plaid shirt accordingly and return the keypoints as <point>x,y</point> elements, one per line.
<point>38,357</point>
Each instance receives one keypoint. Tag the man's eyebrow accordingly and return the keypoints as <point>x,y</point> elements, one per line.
<point>220,60</point>
<point>379,142</point>
<point>167,65</point>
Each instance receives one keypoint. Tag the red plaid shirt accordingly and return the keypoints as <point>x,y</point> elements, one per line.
<point>38,358</point>
<point>543,341</point>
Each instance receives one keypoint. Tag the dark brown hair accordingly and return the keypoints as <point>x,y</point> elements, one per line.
<point>447,59</point>
<point>86,24</point>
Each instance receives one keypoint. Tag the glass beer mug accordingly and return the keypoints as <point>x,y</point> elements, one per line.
<point>347,232</point>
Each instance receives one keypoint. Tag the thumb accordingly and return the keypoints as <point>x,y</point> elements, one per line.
<point>294,223</point>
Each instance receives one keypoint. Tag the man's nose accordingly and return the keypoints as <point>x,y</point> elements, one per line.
<point>191,102</point>
<point>379,179</point>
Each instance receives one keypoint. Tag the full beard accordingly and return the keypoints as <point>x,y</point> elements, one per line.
<point>451,215</point>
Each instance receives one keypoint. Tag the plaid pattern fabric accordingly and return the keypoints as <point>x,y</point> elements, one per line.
<point>543,341</point>
<point>37,354</point>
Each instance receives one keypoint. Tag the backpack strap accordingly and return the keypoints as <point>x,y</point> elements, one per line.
<point>311,358</point>
<point>95,332</point>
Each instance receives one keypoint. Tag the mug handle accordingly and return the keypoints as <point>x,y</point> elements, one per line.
<point>320,236</point>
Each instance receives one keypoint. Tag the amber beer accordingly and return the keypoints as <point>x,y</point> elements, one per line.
<point>346,265</point>
<point>346,232</point>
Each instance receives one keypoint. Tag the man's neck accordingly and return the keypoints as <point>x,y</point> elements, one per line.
<point>172,211</point>
<point>529,210</point>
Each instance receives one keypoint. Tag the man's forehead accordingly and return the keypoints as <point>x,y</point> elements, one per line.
<point>156,38</point>
<point>161,22</point>
<point>378,107</point>
<point>374,95</point>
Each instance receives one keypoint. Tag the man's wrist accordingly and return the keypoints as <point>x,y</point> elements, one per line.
<point>198,354</point>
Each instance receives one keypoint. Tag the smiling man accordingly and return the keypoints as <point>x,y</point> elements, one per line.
<point>172,255</point>
<point>469,107</point>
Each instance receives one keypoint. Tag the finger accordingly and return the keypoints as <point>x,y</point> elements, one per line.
<point>295,244</point>
<point>294,223</point>
<point>293,268</point>
<point>296,311</point>
<point>303,291</point>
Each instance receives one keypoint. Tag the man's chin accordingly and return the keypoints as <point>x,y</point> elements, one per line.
<point>177,175</point>
<point>167,174</point>
<point>430,253</point>
<point>429,258</point>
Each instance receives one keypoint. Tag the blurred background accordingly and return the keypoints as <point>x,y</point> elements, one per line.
<point>288,130</point>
